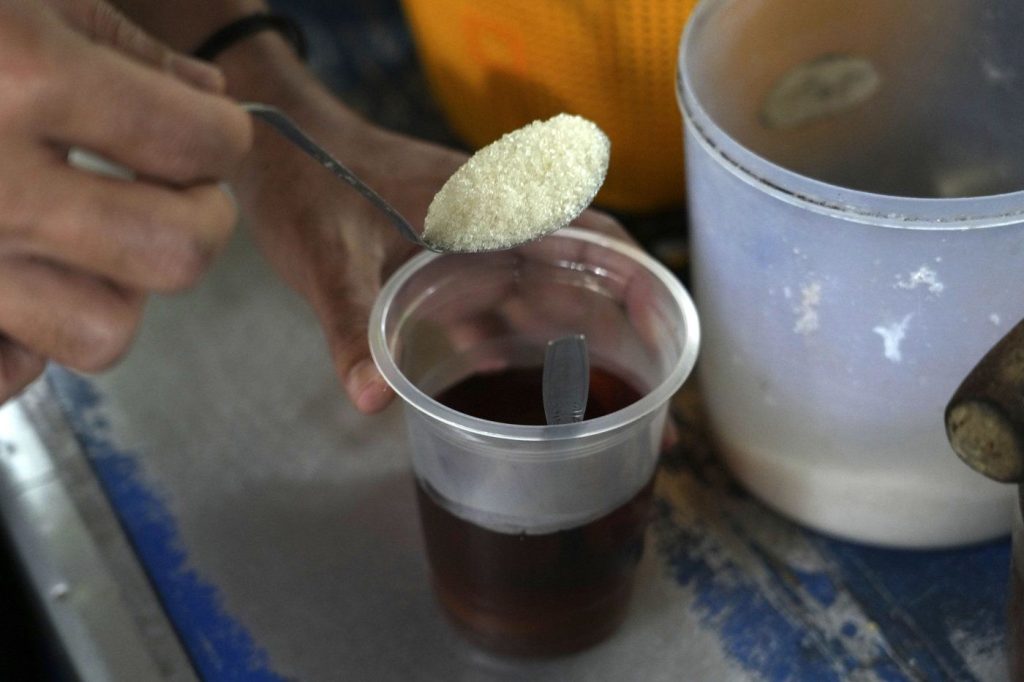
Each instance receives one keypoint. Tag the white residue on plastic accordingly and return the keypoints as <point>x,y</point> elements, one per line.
<point>892,336</point>
<point>807,311</point>
<point>923,276</point>
<point>983,654</point>
<point>745,549</point>
<point>995,319</point>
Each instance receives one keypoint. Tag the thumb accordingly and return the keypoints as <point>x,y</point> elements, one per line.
<point>346,326</point>
<point>105,24</point>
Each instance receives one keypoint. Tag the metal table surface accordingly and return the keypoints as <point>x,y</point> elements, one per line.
<point>214,509</point>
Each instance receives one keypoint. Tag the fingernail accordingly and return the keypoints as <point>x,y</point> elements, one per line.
<point>367,388</point>
<point>201,74</point>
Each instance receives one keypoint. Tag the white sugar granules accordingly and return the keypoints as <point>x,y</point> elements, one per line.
<point>528,183</point>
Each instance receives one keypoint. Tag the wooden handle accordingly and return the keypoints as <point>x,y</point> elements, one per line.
<point>985,417</point>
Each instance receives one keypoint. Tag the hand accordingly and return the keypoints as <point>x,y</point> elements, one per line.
<point>78,251</point>
<point>330,243</point>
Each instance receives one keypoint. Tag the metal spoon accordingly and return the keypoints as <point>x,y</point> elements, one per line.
<point>566,380</point>
<point>284,125</point>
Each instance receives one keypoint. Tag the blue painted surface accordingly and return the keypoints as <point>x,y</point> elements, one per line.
<point>913,598</point>
<point>902,613</point>
<point>219,647</point>
<point>920,599</point>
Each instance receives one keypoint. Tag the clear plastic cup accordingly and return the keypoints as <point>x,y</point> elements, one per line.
<point>855,174</point>
<point>533,531</point>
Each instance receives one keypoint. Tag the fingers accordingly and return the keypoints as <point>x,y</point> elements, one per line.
<point>151,123</point>
<point>76,249</point>
<point>18,367</point>
<point>140,235</point>
<point>599,221</point>
<point>350,352</point>
<point>366,388</point>
<point>60,86</point>
<point>79,321</point>
<point>638,288</point>
<point>103,23</point>
<point>344,285</point>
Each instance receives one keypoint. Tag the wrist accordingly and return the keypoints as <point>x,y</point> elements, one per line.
<point>185,24</point>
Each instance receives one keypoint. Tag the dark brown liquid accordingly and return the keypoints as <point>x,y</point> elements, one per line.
<point>534,595</point>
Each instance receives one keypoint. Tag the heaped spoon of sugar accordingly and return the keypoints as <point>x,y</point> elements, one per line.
<point>521,187</point>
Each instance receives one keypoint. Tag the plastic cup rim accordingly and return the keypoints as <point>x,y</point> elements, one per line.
<point>415,398</point>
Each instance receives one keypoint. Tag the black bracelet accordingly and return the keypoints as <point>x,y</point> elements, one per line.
<point>246,26</point>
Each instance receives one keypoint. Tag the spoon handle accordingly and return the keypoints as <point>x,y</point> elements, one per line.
<point>566,380</point>
<point>286,127</point>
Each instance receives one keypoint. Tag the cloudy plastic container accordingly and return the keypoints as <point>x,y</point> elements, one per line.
<point>857,221</point>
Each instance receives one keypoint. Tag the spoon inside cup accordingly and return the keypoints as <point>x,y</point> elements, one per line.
<point>566,379</point>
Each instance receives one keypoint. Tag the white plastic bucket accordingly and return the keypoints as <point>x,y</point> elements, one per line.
<point>855,174</point>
